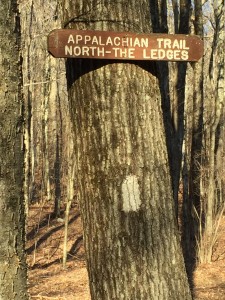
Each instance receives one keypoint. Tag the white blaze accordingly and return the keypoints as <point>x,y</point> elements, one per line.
<point>131,194</point>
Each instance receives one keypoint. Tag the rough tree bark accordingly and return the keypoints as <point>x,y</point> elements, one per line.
<point>12,220</point>
<point>130,231</point>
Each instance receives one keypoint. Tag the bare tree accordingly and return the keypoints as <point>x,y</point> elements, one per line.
<point>211,168</point>
<point>204,139</point>
<point>45,106</point>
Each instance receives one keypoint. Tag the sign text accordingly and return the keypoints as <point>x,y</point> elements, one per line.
<point>120,45</point>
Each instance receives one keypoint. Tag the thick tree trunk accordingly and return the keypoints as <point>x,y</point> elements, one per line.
<point>131,237</point>
<point>12,220</point>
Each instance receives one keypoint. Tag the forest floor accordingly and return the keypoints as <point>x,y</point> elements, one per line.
<point>48,280</point>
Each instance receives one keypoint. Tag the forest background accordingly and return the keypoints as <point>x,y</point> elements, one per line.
<point>193,102</point>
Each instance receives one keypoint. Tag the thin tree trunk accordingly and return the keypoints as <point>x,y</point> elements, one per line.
<point>193,150</point>
<point>70,192</point>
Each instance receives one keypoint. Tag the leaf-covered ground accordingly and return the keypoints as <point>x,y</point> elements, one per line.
<point>49,280</point>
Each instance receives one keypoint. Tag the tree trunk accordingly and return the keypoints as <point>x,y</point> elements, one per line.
<point>70,192</point>
<point>213,128</point>
<point>172,85</point>
<point>12,219</point>
<point>45,103</point>
<point>131,237</point>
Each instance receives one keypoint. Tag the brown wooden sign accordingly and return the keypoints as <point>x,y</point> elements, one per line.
<point>124,45</point>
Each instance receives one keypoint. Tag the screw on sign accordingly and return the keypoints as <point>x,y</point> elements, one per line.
<point>71,43</point>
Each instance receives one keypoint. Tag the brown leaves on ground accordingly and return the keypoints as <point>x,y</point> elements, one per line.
<point>49,281</point>
<point>210,281</point>
<point>209,278</point>
<point>56,283</point>
<point>47,278</point>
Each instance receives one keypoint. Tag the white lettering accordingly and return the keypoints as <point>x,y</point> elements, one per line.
<point>94,40</point>
<point>93,50</point>
<point>68,50</point>
<point>85,51</point>
<point>87,38</point>
<point>116,50</point>
<point>185,46</point>
<point>77,51</point>
<point>145,54</point>
<point>109,41</point>
<point>71,39</point>
<point>176,44</point>
<point>117,41</point>
<point>167,43</point>
<point>100,41</point>
<point>123,53</point>
<point>169,54</point>
<point>176,54</point>
<point>154,54</point>
<point>184,55</point>
<point>125,42</point>
<point>101,52</point>
<point>131,53</point>
<point>144,42</point>
<point>160,40</point>
<point>78,38</point>
<point>136,42</point>
<point>125,47</point>
<point>161,54</point>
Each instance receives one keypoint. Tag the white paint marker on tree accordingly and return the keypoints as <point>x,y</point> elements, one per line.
<point>131,194</point>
